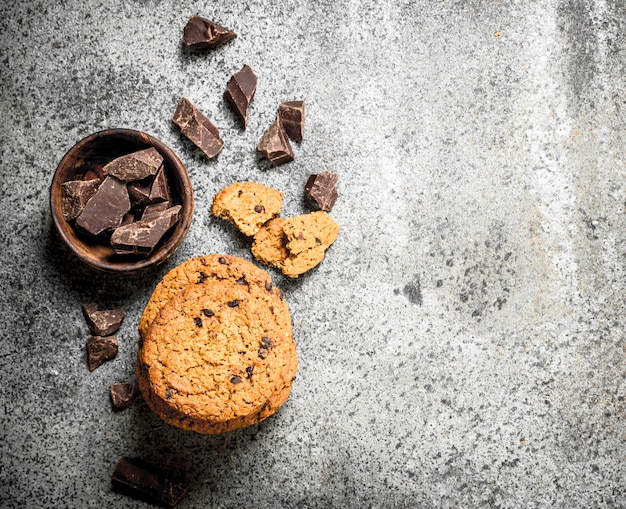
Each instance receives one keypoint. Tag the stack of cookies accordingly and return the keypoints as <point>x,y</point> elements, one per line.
<point>216,350</point>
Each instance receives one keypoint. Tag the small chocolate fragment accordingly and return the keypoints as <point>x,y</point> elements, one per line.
<point>140,480</point>
<point>122,395</point>
<point>275,145</point>
<point>100,349</point>
<point>240,92</point>
<point>197,128</point>
<point>197,322</point>
<point>155,209</point>
<point>141,237</point>
<point>139,191</point>
<point>106,208</point>
<point>236,379</point>
<point>160,190</point>
<point>204,34</point>
<point>292,115</point>
<point>208,313</point>
<point>321,190</point>
<point>102,323</point>
<point>75,194</point>
<point>135,166</point>
<point>233,303</point>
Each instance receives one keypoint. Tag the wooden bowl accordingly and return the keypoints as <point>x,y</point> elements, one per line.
<point>86,160</point>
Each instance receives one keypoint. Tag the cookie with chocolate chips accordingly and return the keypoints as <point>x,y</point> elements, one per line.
<point>296,244</point>
<point>206,269</point>
<point>217,357</point>
<point>247,205</point>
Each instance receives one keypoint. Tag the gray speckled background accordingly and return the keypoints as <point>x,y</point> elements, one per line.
<point>462,345</point>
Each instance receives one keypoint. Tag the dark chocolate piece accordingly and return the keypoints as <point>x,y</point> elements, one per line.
<point>292,115</point>
<point>140,480</point>
<point>235,379</point>
<point>233,303</point>
<point>321,190</point>
<point>160,190</point>
<point>141,237</point>
<point>106,208</point>
<point>100,349</point>
<point>208,313</point>
<point>102,323</point>
<point>75,194</point>
<point>135,166</point>
<point>275,145</point>
<point>154,210</point>
<point>122,395</point>
<point>197,322</point>
<point>204,34</point>
<point>197,128</point>
<point>139,191</point>
<point>240,92</point>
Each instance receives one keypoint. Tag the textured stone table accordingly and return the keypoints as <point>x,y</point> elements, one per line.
<point>462,345</point>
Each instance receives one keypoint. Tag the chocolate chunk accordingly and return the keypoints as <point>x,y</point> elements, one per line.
<point>141,237</point>
<point>249,371</point>
<point>266,342</point>
<point>102,323</point>
<point>197,321</point>
<point>75,194</point>
<point>202,277</point>
<point>197,128</point>
<point>160,190</point>
<point>275,145</point>
<point>240,92</point>
<point>154,210</point>
<point>208,313</point>
<point>321,190</point>
<point>135,166</point>
<point>100,349</point>
<point>122,395</point>
<point>233,303</point>
<point>268,286</point>
<point>138,479</point>
<point>292,115</point>
<point>222,260</point>
<point>139,191</point>
<point>236,380</point>
<point>106,208</point>
<point>201,33</point>
<point>259,208</point>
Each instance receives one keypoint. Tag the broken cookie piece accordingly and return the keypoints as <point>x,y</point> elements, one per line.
<point>102,323</point>
<point>297,244</point>
<point>291,114</point>
<point>240,92</point>
<point>275,145</point>
<point>321,190</point>
<point>100,349</point>
<point>248,205</point>
<point>200,33</point>
<point>195,126</point>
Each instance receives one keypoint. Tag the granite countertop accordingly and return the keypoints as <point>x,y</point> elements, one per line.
<point>462,344</point>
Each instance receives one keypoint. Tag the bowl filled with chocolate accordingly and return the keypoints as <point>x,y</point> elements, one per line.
<point>121,200</point>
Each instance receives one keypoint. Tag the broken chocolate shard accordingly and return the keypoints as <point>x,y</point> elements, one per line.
<point>201,33</point>
<point>106,208</point>
<point>141,237</point>
<point>160,190</point>
<point>102,323</point>
<point>154,210</point>
<point>292,116</point>
<point>143,481</point>
<point>195,126</point>
<point>321,190</point>
<point>139,191</point>
<point>135,166</point>
<point>75,194</point>
<point>122,395</point>
<point>275,145</point>
<point>100,349</point>
<point>240,92</point>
